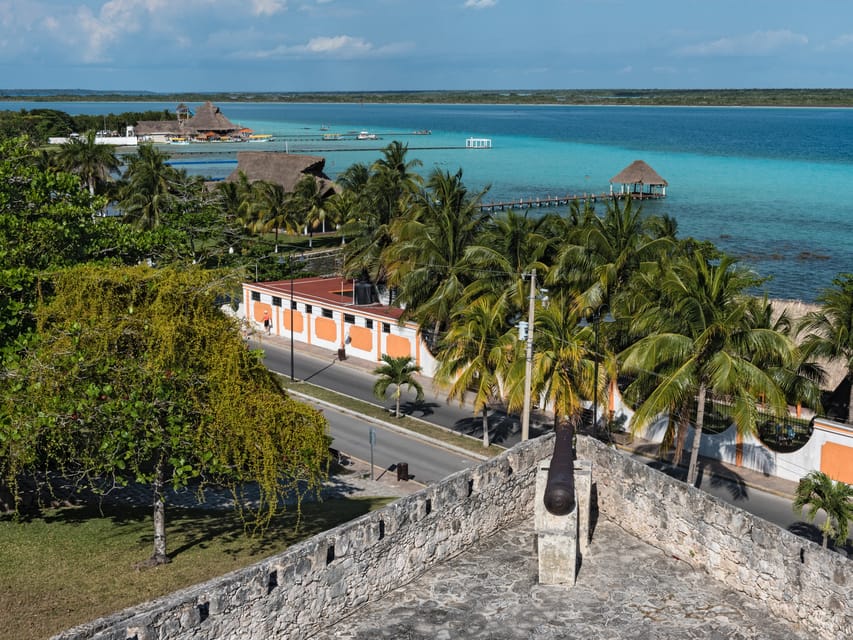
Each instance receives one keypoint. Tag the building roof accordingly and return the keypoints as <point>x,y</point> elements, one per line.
<point>638,172</point>
<point>208,117</point>
<point>336,292</point>
<point>154,127</point>
<point>286,169</point>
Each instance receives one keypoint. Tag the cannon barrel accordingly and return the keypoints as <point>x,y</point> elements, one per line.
<point>560,488</point>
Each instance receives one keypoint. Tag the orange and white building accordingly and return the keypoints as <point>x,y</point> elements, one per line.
<point>336,314</point>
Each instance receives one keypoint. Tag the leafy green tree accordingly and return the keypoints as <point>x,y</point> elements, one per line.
<point>138,377</point>
<point>697,341</point>
<point>473,354</point>
<point>829,330</point>
<point>397,372</point>
<point>147,190</point>
<point>274,209</point>
<point>819,492</point>
<point>94,163</point>
<point>309,204</point>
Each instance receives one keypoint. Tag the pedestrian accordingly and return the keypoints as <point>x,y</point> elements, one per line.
<point>267,323</point>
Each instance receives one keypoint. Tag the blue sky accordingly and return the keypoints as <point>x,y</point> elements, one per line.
<point>354,45</point>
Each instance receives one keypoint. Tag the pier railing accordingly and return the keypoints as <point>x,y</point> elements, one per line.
<point>563,201</point>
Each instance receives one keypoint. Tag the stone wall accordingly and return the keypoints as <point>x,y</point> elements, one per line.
<point>314,584</point>
<point>794,578</point>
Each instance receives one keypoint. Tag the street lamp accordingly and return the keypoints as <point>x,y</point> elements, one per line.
<point>595,319</point>
<point>528,360</point>
<point>290,274</point>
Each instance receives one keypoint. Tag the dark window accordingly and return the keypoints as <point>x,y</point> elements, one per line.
<point>308,308</point>
<point>256,295</point>
<point>368,323</point>
<point>349,318</point>
<point>293,304</point>
<point>327,313</point>
<point>386,328</point>
<point>276,301</point>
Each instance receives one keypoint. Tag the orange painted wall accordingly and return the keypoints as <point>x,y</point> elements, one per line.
<point>397,347</point>
<point>297,320</point>
<point>258,311</point>
<point>326,329</point>
<point>836,461</point>
<point>361,338</point>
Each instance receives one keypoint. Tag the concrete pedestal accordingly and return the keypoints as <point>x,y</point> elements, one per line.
<point>560,539</point>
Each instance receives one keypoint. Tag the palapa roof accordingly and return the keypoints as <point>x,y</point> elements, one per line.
<point>285,169</point>
<point>638,172</point>
<point>153,127</point>
<point>208,117</point>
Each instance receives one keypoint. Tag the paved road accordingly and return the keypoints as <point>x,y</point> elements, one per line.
<point>330,373</point>
<point>428,463</point>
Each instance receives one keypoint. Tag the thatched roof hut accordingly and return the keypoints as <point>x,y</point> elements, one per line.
<point>285,169</point>
<point>639,180</point>
<point>208,117</point>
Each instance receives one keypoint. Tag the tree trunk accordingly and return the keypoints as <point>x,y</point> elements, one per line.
<point>681,436</point>
<point>825,540</point>
<point>397,396</point>
<point>850,401</point>
<point>485,427</point>
<point>697,436</point>
<point>159,556</point>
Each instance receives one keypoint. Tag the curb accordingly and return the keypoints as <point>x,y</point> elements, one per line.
<point>390,426</point>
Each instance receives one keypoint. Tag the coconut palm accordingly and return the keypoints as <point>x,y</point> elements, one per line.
<point>309,203</point>
<point>146,193</point>
<point>697,342</point>
<point>819,492</point>
<point>427,262</point>
<point>473,354</point>
<point>272,209</point>
<point>397,372</point>
<point>93,162</point>
<point>829,330</point>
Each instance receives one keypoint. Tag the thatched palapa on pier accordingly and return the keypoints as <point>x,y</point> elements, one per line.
<point>640,181</point>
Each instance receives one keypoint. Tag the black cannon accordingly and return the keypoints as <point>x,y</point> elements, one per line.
<point>560,489</point>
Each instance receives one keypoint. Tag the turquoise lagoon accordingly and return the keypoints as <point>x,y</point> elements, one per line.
<point>770,186</point>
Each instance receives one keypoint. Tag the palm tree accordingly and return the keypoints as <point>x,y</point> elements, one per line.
<point>819,492</point>
<point>829,331</point>
<point>473,354</point>
<point>93,162</point>
<point>399,372</point>
<point>146,193</point>
<point>273,209</point>
<point>427,261</point>
<point>309,203</point>
<point>697,342</point>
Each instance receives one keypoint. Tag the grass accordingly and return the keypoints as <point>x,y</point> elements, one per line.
<point>474,445</point>
<point>67,566</point>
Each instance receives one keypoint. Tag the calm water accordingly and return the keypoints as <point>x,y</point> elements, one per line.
<point>768,185</point>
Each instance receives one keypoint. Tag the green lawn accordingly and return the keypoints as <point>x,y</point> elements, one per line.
<point>71,565</point>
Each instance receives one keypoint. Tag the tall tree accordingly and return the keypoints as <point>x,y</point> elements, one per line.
<point>829,330</point>
<point>138,377</point>
<point>819,492</point>
<point>274,209</point>
<point>93,162</point>
<point>147,190</point>
<point>697,342</point>
<point>474,353</point>
<point>309,203</point>
<point>398,373</point>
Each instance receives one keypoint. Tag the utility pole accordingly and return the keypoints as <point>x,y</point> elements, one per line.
<point>528,365</point>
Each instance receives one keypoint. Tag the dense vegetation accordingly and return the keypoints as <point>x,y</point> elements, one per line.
<point>683,97</point>
<point>41,124</point>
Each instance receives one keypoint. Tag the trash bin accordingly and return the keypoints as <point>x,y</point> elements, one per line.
<point>402,471</point>
<point>342,354</point>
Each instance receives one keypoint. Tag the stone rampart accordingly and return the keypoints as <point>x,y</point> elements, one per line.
<point>315,583</point>
<point>794,578</point>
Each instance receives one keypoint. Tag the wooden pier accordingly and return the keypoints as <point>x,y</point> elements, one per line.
<point>563,201</point>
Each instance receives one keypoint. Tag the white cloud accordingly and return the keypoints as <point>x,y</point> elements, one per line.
<point>267,7</point>
<point>480,4</point>
<point>756,43</point>
<point>844,41</point>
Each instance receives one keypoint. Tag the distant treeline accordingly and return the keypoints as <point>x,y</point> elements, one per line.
<point>671,97</point>
<point>40,124</point>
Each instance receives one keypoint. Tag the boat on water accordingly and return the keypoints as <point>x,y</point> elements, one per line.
<point>331,136</point>
<point>178,140</point>
<point>366,135</point>
<point>260,137</point>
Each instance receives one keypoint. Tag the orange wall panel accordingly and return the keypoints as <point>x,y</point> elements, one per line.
<point>397,346</point>
<point>297,320</point>
<point>326,329</point>
<point>259,309</point>
<point>361,338</point>
<point>836,461</point>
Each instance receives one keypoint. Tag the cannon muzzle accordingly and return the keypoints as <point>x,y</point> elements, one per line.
<point>560,488</point>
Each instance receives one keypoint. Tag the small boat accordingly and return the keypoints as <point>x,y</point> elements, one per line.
<point>365,135</point>
<point>331,136</point>
<point>260,137</point>
<point>324,127</point>
<point>178,140</point>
